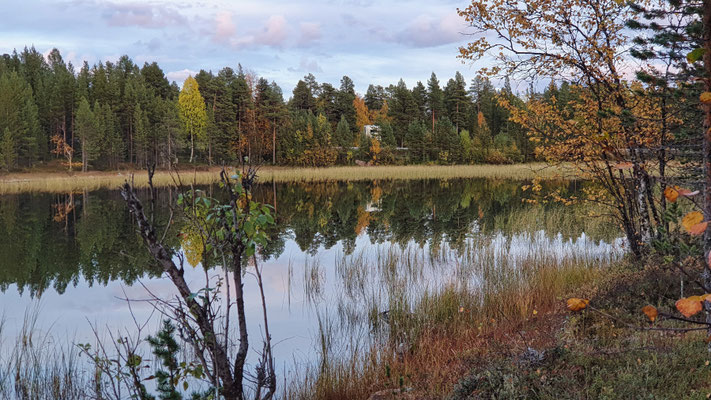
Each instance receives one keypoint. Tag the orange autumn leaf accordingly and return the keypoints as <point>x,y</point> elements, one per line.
<point>650,312</point>
<point>691,219</point>
<point>705,97</point>
<point>698,229</point>
<point>688,306</point>
<point>575,304</point>
<point>671,194</point>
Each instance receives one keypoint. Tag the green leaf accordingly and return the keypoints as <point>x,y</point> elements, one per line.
<point>185,385</point>
<point>695,55</point>
<point>248,228</point>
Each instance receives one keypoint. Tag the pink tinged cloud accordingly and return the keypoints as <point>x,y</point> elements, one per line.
<point>225,28</point>
<point>426,31</point>
<point>274,31</point>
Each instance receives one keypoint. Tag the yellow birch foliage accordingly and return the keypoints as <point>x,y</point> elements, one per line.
<point>363,116</point>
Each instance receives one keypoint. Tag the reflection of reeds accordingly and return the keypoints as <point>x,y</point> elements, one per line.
<point>35,366</point>
<point>425,306</point>
<point>313,280</point>
<point>58,182</point>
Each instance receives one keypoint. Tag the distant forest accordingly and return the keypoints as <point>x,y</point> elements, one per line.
<point>113,115</point>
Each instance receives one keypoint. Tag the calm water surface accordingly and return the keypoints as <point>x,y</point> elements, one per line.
<point>74,258</point>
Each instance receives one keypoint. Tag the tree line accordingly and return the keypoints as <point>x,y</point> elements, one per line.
<point>119,114</point>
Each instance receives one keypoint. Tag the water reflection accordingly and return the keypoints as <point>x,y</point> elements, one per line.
<point>56,240</point>
<point>341,255</point>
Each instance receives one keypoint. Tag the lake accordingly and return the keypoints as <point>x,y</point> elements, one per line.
<point>340,255</point>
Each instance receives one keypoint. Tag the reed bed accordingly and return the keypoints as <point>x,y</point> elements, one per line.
<point>56,182</point>
<point>37,366</point>
<point>402,317</point>
<point>423,311</point>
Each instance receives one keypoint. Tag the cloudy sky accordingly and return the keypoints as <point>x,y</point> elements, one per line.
<point>370,41</point>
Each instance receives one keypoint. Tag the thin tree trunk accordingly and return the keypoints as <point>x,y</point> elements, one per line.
<point>170,159</point>
<point>274,144</point>
<point>192,145</point>
<point>707,153</point>
<point>231,389</point>
<point>83,155</point>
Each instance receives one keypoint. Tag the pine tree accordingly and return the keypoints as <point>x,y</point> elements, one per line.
<point>86,131</point>
<point>416,140</point>
<point>302,97</point>
<point>374,97</point>
<point>343,136</point>
<point>344,101</point>
<point>8,154</point>
<point>456,101</point>
<point>419,95</point>
<point>402,110</point>
<point>435,98</point>
<point>165,348</point>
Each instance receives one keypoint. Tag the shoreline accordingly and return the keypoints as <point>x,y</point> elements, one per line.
<point>66,181</point>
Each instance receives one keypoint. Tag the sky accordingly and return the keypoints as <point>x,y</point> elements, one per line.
<point>370,41</point>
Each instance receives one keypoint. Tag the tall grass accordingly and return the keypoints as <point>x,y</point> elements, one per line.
<point>77,181</point>
<point>428,308</point>
<point>37,366</point>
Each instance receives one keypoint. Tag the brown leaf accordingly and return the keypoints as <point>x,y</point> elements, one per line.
<point>705,97</point>
<point>686,192</point>
<point>650,312</point>
<point>576,304</point>
<point>688,306</point>
<point>698,229</point>
<point>624,165</point>
<point>691,219</point>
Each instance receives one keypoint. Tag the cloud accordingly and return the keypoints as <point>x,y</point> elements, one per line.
<point>426,31</point>
<point>306,65</point>
<point>141,15</point>
<point>225,28</point>
<point>152,45</point>
<point>180,76</point>
<point>274,31</point>
<point>310,32</point>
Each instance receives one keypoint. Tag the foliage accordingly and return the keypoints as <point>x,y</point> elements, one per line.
<point>192,112</point>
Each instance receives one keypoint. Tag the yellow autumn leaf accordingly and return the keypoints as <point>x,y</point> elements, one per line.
<point>576,304</point>
<point>691,219</point>
<point>688,306</point>
<point>671,194</point>
<point>705,97</point>
<point>650,312</point>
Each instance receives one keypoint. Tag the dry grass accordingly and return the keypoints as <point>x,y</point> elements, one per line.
<point>433,335</point>
<point>445,349</point>
<point>62,182</point>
